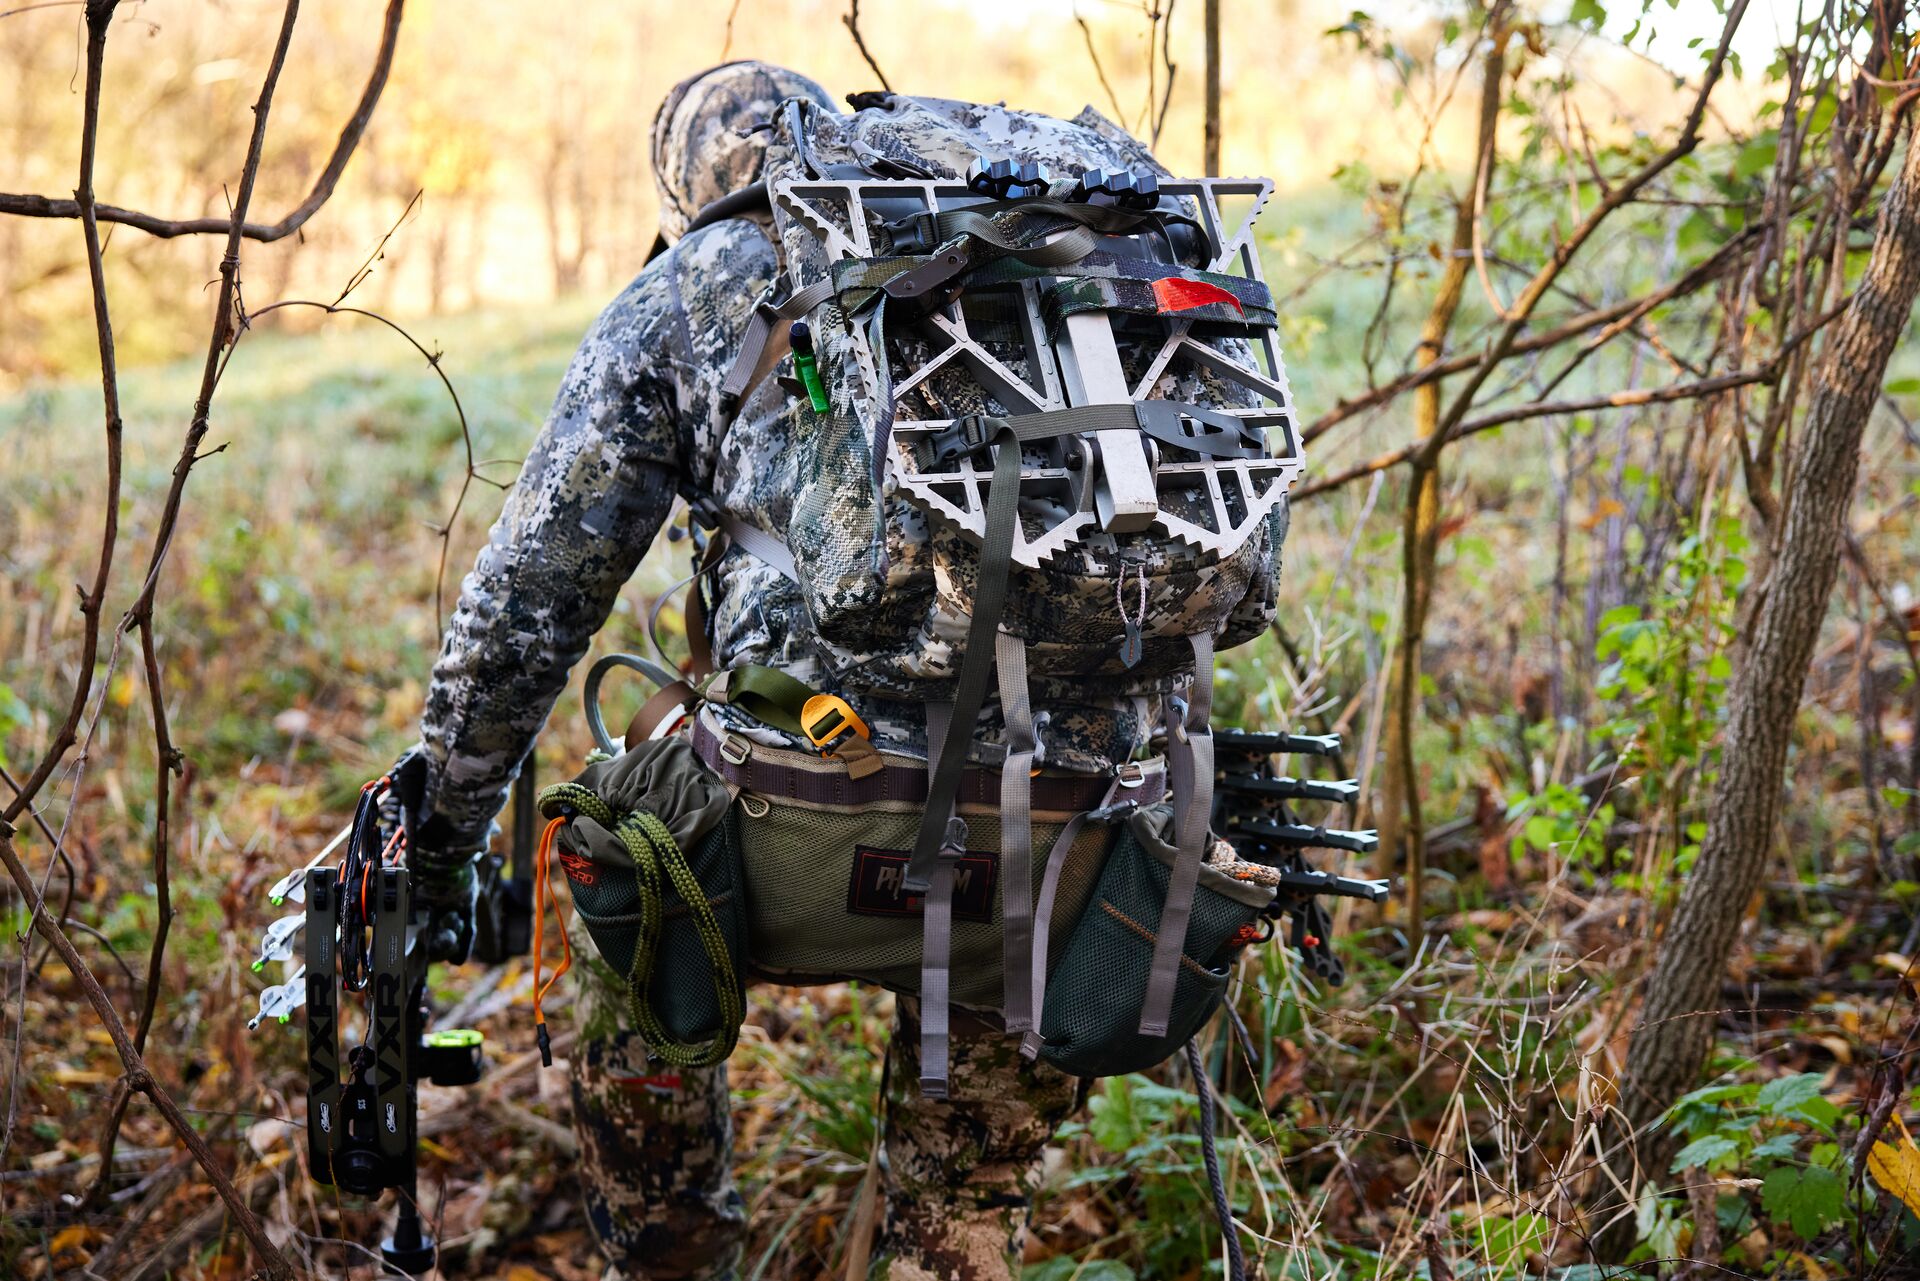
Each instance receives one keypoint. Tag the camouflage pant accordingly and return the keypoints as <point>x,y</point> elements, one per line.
<point>655,1144</point>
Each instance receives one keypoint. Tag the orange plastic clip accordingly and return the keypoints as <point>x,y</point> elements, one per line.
<point>827,718</point>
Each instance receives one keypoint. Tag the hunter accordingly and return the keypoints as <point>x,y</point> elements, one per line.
<point>639,419</point>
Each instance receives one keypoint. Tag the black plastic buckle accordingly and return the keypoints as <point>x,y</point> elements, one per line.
<point>962,438</point>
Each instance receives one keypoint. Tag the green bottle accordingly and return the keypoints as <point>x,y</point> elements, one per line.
<point>806,367</point>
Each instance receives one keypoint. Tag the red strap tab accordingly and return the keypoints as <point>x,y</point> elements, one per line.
<point>1176,294</point>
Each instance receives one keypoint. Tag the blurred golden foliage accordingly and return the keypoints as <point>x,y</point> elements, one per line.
<point>525,131</point>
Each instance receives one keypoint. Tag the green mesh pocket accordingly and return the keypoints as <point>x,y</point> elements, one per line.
<point>1090,1022</point>
<point>820,911</point>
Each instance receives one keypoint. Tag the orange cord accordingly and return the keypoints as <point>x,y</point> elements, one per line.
<point>544,895</point>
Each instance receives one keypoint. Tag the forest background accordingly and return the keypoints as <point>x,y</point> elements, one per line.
<point>1590,311</point>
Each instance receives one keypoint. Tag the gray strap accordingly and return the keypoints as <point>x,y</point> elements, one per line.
<point>1190,782</point>
<point>760,543</point>
<point>936,942</point>
<point>976,665</point>
<point>1043,914</point>
<point>765,340</point>
<point>1016,833</point>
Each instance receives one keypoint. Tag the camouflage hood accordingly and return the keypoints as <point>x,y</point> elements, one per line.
<point>710,136</point>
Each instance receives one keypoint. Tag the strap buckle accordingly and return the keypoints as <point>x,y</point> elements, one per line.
<point>1130,775</point>
<point>828,718</point>
<point>735,750</point>
<point>919,281</point>
<point>962,438</point>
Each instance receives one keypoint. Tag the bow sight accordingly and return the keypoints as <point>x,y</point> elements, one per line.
<point>364,954</point>
<point>1251,810</point>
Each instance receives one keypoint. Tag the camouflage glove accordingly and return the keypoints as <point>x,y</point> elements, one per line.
<point>443,863</point>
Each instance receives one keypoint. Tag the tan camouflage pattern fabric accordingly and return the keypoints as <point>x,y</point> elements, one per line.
<point>959,1173</point>
<point>655,1143</point>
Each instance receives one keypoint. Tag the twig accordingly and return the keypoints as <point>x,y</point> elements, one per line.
<point>28,206</point>
<point>44,4</point>
<point>726,45</point>
<point>1693,390</point>
<point>444,530</point>
<point>1113,99</point>
<point>852,21</point>
<point>1173,69</point>
<point>139,1078</point>
<point>1605,318</point>
<point>1211,138</point>
<point>168,760</point>
<point>99,18</point>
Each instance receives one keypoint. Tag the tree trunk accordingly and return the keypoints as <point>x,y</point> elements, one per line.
<point>1675,1032</point>
<point>1212,139</point>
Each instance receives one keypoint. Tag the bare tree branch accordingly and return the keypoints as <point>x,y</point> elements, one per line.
<point>29,206</point>
<point>1692,390</point>
<point>139,616</point>
<point>1113,99</point>
<point>99,16</point>
<point>852,21</point>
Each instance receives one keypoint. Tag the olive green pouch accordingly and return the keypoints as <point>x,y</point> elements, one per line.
<point>652,853</point>
<point>1090,1020</point>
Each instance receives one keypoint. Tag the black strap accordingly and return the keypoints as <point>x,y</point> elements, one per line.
<point>976,664</point>
<point>934,228</point>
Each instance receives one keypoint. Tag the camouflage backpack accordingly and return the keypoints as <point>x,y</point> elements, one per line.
<point>1014,428</point>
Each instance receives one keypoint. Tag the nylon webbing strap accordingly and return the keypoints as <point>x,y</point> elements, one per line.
<point>1016,832</point>
<point>976,665</point>
<point>1190,779</point>
<point>1043,915</point>
<point>969,435</point>
<point>936,942</point>
<point>1070,247</point>
<point>759,542</point>
<point>765,340</point>
<point>767,694</point>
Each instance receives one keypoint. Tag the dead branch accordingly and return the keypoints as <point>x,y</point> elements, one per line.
<point>139,617</point>
<point>1212,137</point>
<point>852,21</point>
<point>139,1078</point>
<point>444,530</point>
<point>726,45</point>
<point>1173,69</point>
<point>1615,318</point>
<point>99,17</point>
<point>30,206</point>
<point>1566,250</point>
<point>1691,390</point>
<point>1093,54</point>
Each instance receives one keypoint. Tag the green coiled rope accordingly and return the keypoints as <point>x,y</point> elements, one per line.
<point>657,859</point>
